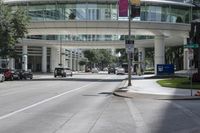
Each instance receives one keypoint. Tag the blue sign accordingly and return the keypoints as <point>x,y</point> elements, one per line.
<point>165,69</point>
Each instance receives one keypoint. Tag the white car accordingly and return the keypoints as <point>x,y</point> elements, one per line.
<point>120,70</point>
<point>95,70</point>
<point>2,77</point>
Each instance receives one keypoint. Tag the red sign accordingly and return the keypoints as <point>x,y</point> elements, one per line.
<point>123,8</point>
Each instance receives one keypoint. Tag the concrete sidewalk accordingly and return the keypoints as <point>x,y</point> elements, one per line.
<point>144,86</point>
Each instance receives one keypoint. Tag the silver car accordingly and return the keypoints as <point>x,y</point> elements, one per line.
<point>2,77</point>
<point>63,72</point>
<point>120,70</point>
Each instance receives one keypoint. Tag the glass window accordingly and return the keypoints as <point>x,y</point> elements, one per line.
<point>180,14</point>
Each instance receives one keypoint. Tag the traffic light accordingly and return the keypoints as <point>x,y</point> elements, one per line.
<point>135,8</point>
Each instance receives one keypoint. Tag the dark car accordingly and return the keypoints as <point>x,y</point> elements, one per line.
<point>15,74</point>
<point>25,74</point>
<point>63,72</point>
<point>111,70</point>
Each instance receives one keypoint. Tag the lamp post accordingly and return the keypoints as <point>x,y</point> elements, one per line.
<point>129,38</point>
<point>60,64</point>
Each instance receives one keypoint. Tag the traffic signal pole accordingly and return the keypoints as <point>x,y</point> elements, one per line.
<point>129,37</point>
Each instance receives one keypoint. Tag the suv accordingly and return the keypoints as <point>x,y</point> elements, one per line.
<point>63,72</point>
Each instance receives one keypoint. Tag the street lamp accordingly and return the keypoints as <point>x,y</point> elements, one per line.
<point>60,64</point>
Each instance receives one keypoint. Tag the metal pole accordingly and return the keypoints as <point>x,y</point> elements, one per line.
<point>191,93</point>
<point>60,50</point>
<point>129,37</point>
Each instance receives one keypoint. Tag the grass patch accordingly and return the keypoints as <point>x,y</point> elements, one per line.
<point>183,83</point>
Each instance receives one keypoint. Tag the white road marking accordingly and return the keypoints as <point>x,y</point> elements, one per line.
<point>136,115</point>
<point>41,102</point>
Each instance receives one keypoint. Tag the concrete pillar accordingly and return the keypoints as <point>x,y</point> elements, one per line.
<point>11,63</point>
<point>25,57</point>
<point>63,57</point>
<point>78,59</point>
<point>71,60</point>
<point>141,59</point>
<point>75,64</point>
<point>44,59</point>
<point>159,49</point>
<point>54,58</point>
<point>186,61</point>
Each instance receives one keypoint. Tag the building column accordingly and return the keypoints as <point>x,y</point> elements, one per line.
<point>71,60</point>
<point>186,61</point>
<point>78,59</point>
<point>44,59</point>
<point>63,56</point>
<point>11,63</point>
<point>74,61</point>
<point>159,50</point>
<point>54,58</point>
<point>25,57</point>
<point>141,59</point>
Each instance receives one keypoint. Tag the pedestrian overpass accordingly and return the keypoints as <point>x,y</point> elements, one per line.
<point>166,34</point>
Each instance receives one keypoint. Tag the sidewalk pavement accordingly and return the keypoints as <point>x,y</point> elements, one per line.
<point>145,87</point>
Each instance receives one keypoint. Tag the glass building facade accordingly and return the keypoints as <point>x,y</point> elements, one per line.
<point>173,11</point>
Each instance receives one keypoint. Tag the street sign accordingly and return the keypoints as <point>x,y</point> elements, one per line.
<point>191,45</point>
<point>129,48</point>
<point>129,45</point>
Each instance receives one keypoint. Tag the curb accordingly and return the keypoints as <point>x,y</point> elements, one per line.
<point>122,91</point>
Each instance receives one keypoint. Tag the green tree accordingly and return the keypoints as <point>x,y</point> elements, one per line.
<point>13,26</point>
<point>174,55</point>
<point>99,57</point>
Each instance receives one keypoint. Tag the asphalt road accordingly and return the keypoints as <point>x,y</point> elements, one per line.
<point>88,106</point>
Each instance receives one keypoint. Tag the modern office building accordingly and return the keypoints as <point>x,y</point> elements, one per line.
<point>59,27</point>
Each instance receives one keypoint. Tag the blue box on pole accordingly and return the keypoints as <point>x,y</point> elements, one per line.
<point>165,69</point>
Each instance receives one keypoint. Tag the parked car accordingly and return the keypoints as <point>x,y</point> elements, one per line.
<point>7,73</point>
<point>111,70</point>
<point>25,74</point>
<point>63,72</point>
<point>120,70</point>
<point>2,77</point>
<point>95,70</point>
<point>15,74</point>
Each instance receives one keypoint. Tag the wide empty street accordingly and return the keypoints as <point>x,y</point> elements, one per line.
<point>85,103</point>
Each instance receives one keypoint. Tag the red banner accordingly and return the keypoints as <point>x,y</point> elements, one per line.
<point>123,8</point>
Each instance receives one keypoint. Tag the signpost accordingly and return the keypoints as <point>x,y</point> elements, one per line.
<point>129,46</point>
<point>190,47</point>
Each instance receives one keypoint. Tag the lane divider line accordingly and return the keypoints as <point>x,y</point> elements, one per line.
<point>140,124</point>
<point>41,102</point>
